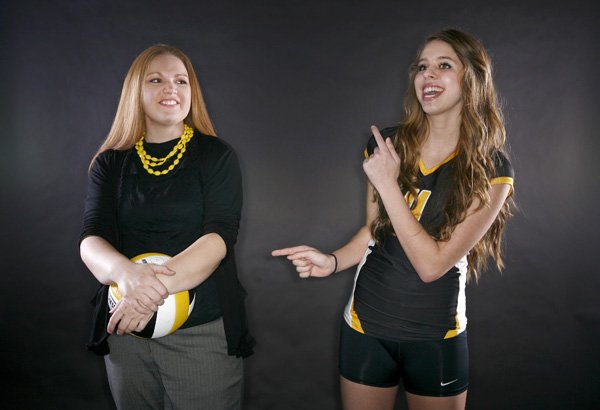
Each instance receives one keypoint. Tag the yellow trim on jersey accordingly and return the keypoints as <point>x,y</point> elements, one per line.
<point>502,180</point>
<point>366,153</point>
<point>355,320</point>
<point>427,171</point>
<point>453,332</point>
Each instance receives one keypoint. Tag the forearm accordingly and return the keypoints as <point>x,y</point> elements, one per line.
<point>422,250</point>
<point>137,282</point>
<point>351,253</point>
<point>430,258</point>
<point>195,264</point>
<point>102,259</point>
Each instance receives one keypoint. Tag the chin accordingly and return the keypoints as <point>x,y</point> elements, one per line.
<point>167,122</point>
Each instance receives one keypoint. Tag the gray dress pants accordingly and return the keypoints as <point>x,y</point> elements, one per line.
<point>189,369</point>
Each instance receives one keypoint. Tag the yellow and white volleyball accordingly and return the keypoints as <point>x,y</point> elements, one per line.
<point>171,315</point>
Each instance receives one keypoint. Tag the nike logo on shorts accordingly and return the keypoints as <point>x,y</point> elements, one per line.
<point>445,384</point>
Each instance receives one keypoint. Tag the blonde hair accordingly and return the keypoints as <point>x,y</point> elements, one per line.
<point>128,124</point>
<point>482,135</point>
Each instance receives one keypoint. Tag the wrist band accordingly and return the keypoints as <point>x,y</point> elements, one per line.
<point>336,263</point>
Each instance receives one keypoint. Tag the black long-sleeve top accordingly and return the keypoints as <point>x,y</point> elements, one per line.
<point>139,213</point>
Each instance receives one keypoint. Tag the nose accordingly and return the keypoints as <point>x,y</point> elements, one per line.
<point>170,88</point>
<point>430,72</point>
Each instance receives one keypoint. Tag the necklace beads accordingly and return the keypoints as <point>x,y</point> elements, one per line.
<point>150,163</point>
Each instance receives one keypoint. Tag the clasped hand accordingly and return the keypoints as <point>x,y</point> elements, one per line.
<point>126,319</point>
<point>141,294</point>
<point>383,166</point>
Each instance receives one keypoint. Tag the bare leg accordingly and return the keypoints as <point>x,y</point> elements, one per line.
<point>436,403</point>
<point>356,396</point>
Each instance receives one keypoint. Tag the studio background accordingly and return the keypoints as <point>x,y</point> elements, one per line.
<point>294,87</point>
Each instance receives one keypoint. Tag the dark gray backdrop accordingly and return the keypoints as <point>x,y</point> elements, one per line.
<point>294,86</point>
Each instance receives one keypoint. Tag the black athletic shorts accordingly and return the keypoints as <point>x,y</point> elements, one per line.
<point>428,368</point>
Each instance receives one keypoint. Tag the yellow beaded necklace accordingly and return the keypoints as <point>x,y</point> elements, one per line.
<point>149,162</point>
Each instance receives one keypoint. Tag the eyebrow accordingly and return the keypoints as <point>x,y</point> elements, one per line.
<point>438,58</point>
<point>159,73</point>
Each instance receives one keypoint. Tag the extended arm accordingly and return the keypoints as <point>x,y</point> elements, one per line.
<point>312,262</point>
<point>351,253</point>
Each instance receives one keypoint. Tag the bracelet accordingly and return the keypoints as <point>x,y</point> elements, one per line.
<point>336,262</point>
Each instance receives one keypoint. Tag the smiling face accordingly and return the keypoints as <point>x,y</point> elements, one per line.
<point>438,79</point>
<point>166,93</point>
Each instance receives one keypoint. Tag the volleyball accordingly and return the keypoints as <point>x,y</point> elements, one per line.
<point>171,315</point>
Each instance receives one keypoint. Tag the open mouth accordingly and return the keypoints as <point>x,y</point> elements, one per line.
<point>168,103</point>
<point>432,91</point>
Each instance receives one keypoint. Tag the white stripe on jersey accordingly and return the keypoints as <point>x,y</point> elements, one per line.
<point>349,313</point>
<point>461,303</point>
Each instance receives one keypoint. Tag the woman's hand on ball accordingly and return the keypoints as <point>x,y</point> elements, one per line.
<point>125,318</point>
<point>140,285</point>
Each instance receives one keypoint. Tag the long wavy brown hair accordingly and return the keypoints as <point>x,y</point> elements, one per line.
<point>482,134</point>
<point>129,125</point>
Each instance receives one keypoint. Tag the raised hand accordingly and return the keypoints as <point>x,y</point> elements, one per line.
<point>308,261</point>
<point>383,166</point>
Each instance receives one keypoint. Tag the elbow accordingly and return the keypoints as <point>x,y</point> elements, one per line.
<point>430,273</point>
<point>218,245</point>
<point>428,278</point>
<point>84,249</point>
<point>431,267</point>
<point>220,242</point>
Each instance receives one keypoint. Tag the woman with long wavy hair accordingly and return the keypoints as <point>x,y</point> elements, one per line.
<point>438,200</point>
<point>160,223</point>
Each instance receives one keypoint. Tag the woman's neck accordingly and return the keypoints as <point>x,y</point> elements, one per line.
<point>442,139</point>
<point>162,133</point>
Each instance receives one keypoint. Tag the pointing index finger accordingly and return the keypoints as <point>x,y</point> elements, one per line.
<point>379,139</point>
<point>290,251</point>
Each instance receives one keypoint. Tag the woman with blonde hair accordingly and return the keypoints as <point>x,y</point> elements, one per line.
<point>437,204</point>
<point>162,184</point>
